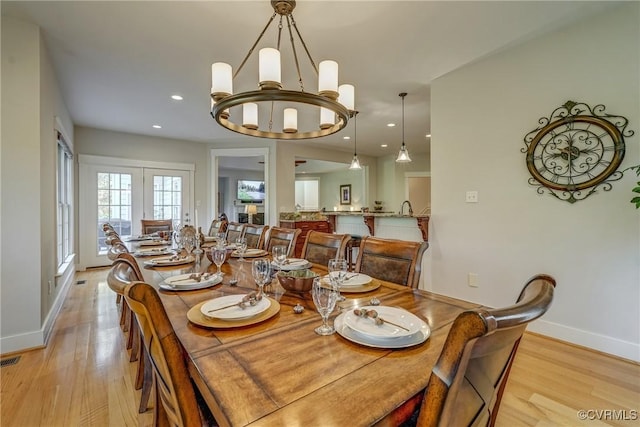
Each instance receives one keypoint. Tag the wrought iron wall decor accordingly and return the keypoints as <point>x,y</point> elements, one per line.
<point>576,151</point>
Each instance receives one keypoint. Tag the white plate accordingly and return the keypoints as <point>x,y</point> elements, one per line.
<point>159,262</point>
<point>249,253</point>
<point>293,264</point>
<point>366,326</point>
<point>152,252</point>
<point>138,238</point>
<point>353,279</point>
<point>401,342</point>
<point>174,283</point>
<point>153,243</point>
<point>235,312</point>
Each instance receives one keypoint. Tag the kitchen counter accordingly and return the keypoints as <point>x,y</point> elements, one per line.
<point>381,224</point>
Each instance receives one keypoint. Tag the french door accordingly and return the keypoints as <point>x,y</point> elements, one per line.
<point>124,194</point>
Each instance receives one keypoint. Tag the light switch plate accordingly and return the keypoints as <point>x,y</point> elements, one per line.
<point>472,197</point>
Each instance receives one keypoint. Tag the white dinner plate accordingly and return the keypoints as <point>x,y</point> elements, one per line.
<point>152,251</point>
<point>235,312</point>
<point>171,260</point>
<point>401,342</point>
<point>179,282</point>
<point>292,264</point>
<point>366,326</point>
<point>139,238</point>
<point>153,243</point>
<point>353,279</point>
<point>250,253</point>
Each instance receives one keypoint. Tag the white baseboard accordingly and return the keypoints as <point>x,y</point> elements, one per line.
<point>616,347</point>
<point>39,338</point>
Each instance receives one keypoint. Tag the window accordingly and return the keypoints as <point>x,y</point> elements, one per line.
<point>167,197</point>
<point>307,194</point>
<point>114,204</point>
<point>64,174</point>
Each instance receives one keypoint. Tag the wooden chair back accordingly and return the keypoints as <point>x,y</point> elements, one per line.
<point>467,382</point>
<point>176,403</point>
<point>320,247</point>
<point>234,230</point>
<point>150,226</point>
<point>255,235</point>
<point>124,271</point>
<point>132,263</point>
<point>282,236</point>
<point>115,249</point>
<point>217,226</point>
<point>397,261</point>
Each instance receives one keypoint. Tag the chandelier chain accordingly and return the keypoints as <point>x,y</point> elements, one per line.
<point>295,54</point>
<point>254,45</point>
<point>304,45</point>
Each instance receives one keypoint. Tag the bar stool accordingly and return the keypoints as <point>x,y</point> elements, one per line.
<point>353,243</point>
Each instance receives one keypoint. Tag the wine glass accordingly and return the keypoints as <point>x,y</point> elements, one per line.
<point>241,247</point>
<point>189,242</point>
<point>219,255</point>
<point>261,271</point>
<point>221,239</point>
<point>325,298</point>
<point>279,253</point>
<point>337,273</point>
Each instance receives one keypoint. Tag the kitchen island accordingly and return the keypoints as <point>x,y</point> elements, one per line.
<point>388,225</point>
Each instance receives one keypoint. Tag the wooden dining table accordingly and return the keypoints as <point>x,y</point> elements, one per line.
<point>279,372</point>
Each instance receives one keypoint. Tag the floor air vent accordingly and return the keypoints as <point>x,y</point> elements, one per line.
<point>81,282</point>
<point>9,361</point>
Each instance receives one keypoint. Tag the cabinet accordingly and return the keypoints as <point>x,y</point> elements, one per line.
<point>305,226</point>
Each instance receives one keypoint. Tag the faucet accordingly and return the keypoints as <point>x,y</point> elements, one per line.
<point>402,208</point>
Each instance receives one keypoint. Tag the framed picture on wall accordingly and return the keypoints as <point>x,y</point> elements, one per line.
<point>345,194</point>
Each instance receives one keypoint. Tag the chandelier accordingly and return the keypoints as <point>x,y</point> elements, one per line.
<point>403,154</point>
<point>332,106</point>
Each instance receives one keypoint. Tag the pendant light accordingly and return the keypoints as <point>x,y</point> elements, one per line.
<point>403,154</point>
<point>355,163</point>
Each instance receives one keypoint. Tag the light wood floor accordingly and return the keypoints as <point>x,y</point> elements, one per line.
<point>84,377</point>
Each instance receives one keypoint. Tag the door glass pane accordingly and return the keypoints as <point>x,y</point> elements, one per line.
<point>167,197</point>
<point>114,205</point>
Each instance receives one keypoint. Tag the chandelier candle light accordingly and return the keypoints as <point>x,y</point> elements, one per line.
<point>403,154</point>
<point>333,104</point>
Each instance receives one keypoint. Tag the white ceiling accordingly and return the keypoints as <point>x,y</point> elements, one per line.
<point>118,62</point>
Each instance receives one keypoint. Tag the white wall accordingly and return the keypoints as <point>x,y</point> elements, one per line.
<point>391,178</point>
<point>480,115</point>
<point>30,104</point>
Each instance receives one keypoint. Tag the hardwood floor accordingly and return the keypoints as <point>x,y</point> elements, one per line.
<point>84,377</point>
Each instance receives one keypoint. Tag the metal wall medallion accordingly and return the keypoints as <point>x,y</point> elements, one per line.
<point>576,151</point>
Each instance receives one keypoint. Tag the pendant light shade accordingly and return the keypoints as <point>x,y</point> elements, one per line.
<point>403,154</point>
<point>355,162</point>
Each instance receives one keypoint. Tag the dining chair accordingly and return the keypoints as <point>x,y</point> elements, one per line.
<point>124,271</point>
<point>319,247</point>
<point>282,236</point>
<point>176,399</point>
<point>234,230</point>
<point>255,235</point>
<point>397,261</point>
<point>217,226</point>
<point>150,226</point>
<point>116,248</point>
<point>467,382</point>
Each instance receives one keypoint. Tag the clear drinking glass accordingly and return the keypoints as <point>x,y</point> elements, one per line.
<point>337,273</point>
<point>221,239</point>
<point>324,297</point>
<point>261,271</point>
<point>241,247</point>
<point>219,254</point>
<point>279,253</point>
<point>189,242</point>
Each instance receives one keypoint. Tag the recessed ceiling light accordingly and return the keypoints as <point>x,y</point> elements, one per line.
<point>346,137</point>
<point>391,124</point>
<point>177,97</point>
<point>157,127</point>
<point>384,145</point>
<point>428,135</point>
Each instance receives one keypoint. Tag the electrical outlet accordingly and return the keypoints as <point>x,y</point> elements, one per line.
<point>472,280</point>
<point>50,287</point>
<point>472,197</point>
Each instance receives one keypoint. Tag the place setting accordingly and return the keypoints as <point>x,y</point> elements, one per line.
<point>153,242</point>
<point>190,281</point>
<point>170,260</point>
<point>232,311</point>
<point>144,252</point>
